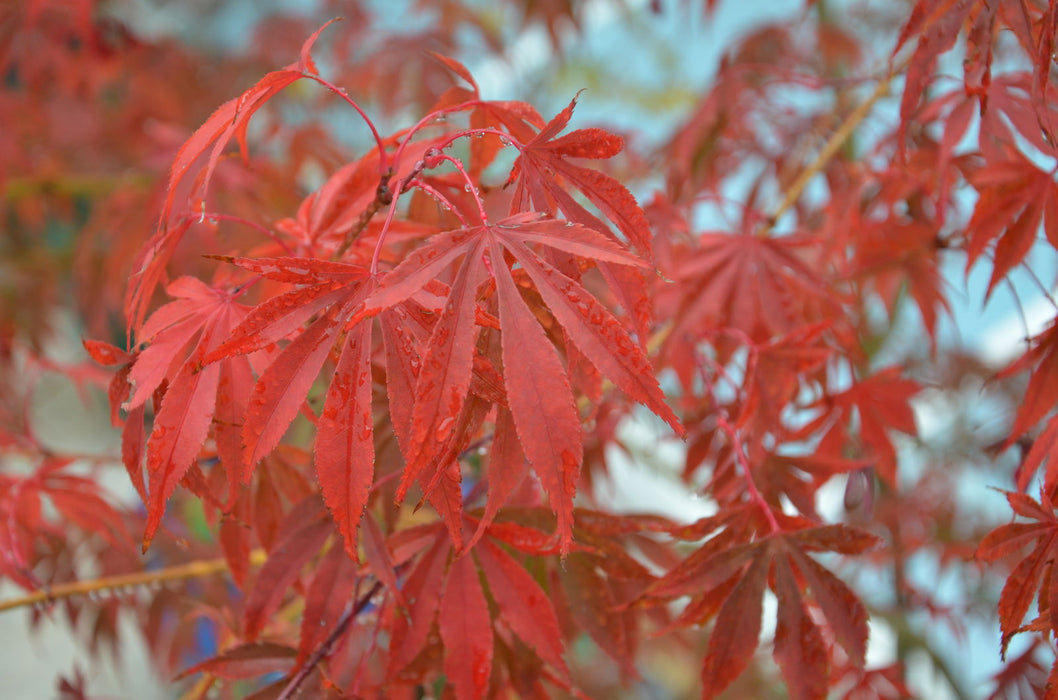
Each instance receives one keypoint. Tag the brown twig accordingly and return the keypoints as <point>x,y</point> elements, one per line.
<point>192,569</point>
<point>383,197</point>
<point>89,185</point>
<point>831,148</point>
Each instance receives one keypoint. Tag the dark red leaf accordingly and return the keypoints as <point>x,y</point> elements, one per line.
<point>300,538</point>
<point>246,661</point>
<point>345,448</point>
<point>524,606</point>
<point>736,632</point>
<point>466,630</point>
<point>327,597</point>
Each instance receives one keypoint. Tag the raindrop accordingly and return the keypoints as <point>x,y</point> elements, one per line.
<point>443,428</point>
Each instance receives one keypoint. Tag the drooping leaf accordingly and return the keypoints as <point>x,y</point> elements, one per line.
<point>737,629</point>
<point>229,121</point>
<point>1043,381</point>
<point>345,450</point>
<point>541,171</point>
<point>246,661</point>
<point>422,590</point>
<point>799,646</point>
<point>540,398</point>
<point>327,597</point>
<point>936,24</point>
<point>882,403</point>
<point>1033,571</point>
<point>1016,199</point>
<point>447,364</point>
<point>524,606</point>
<point>466,630</point>
<point>198,319</point>
<point>300,538</point>
<point>726,580</point>
<point>591,327</point>
<point>762,286</point>
<point>507,469</point>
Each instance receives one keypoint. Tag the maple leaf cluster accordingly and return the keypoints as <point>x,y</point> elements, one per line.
<point>379,379</point>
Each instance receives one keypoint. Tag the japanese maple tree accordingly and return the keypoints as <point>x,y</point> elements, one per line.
<point>376,341</point>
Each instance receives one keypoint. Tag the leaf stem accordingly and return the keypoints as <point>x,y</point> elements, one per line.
<point>193,569</point>
<point>743,463</point>
<point>377,254</point>
<point>470,186</point>
<point>506,137</point>
<point>383,158</point>
<point>441,199</point>
<point>439,115</point>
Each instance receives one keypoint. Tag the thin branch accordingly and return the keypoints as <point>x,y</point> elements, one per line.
<point>328,644</point>
<point>742,460</point>
<point>383,197</point>
<point>831,147</point>
<point>90,185</point>
<point>192,569</point>
<point>442,200</point>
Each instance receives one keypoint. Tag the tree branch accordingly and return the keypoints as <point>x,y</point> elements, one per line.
<point>831,148</point>
<point>383,197</point>
<point>325,648</point>
<point>193,569</point>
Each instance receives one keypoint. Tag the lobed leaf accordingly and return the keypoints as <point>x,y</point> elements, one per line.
<point>799,646</point>
<point>736,632</point>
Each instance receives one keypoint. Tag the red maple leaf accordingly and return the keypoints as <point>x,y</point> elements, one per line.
<point>178,336</point>
<point>1033,574</point>
<point>344,454</point>
<point>537,387</point>
<point>881,402</point>
<point>229,121</point>
<point>445,586</point>
<point>1016,197</point>
<point>761,286</point>
<point>727,581</point>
